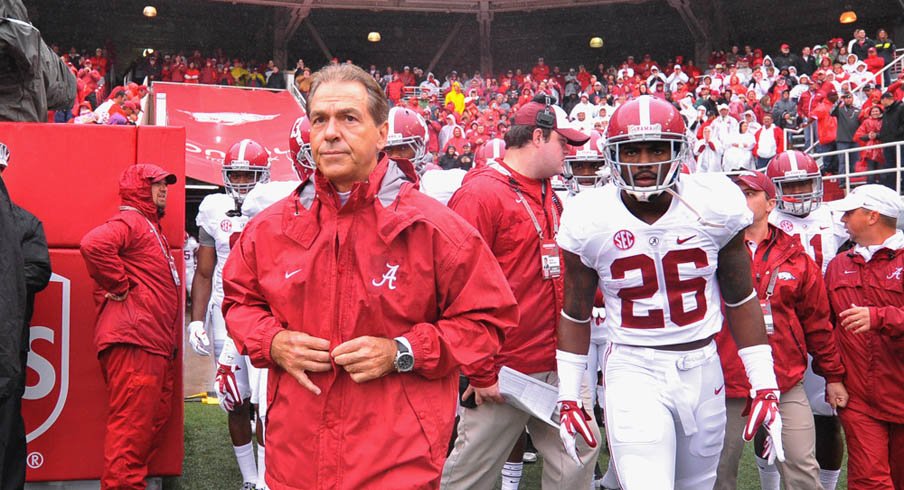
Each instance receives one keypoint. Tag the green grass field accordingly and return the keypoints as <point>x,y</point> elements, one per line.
<point>210,463</point>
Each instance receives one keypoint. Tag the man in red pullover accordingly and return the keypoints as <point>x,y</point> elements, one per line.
<point>866,295</point>
<point>515,210</point>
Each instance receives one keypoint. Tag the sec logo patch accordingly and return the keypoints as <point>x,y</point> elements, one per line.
<point>786,226</point>
<point>226,225</point>
<point>623,240</point>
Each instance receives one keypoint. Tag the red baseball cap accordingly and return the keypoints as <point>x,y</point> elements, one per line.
<point>527,116</point>
<point>757,181</point>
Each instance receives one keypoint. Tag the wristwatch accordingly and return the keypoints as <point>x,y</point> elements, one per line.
<point>404,360</point>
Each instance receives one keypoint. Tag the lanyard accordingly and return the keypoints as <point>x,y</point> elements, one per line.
<point>161,240</point>
<point>533,217</point>
<point>530,212</point>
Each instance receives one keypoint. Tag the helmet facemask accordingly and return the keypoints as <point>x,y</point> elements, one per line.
<point>238,190</point>
<point>417,146</point>
<point>800,203</point>
<point>680,153</point>
<point>576,182</point>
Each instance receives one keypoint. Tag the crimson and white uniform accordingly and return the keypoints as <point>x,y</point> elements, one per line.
<point>665,410</point>
<point>224,229</point>
<point>441,184</point>
<point>821,232</point>
<point>190,255</point>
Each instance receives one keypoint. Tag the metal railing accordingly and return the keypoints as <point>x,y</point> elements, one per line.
<point>795,139</point>
<point>847,176</point>
<point>894,69</point>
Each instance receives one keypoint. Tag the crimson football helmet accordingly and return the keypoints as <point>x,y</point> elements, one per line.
<point>643,120</point>
<point>792,167</point>
<point>300,148</point>
<point>407,129</point>
<point>492,151</point>
<point>245,158</point>
<point>590,164</point>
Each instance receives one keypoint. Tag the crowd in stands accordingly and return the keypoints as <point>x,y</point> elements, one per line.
<point>736,105</point>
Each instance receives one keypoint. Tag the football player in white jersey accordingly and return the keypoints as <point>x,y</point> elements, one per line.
<point>407,139</point>
<point>585,169</point>
<point>801,213</point>
<point>220,220</point>
<point>666,254</point>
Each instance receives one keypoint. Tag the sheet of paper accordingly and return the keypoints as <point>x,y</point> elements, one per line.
<point>530,395</point>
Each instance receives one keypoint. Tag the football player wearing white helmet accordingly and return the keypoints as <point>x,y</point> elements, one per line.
<point>665,254</point>
<point>801,213</point>
<point>246,164</point>
<point>407,137</point>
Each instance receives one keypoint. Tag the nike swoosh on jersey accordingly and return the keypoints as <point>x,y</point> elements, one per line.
<point>719,390</point>
<point>682,240</point>
<point>850,272</point>
<point>290,274</point>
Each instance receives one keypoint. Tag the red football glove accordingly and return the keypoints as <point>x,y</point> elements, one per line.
<point>763,411</point>
<point>573,420</point>
<point>227,387</point>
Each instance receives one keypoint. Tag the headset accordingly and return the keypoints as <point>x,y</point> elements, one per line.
<point>546,119</point>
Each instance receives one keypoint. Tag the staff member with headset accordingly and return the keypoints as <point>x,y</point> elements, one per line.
<point>513,206</point>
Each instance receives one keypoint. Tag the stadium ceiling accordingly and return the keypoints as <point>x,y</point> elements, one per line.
<point>444,6</point>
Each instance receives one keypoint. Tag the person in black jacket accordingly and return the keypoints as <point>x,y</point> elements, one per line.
<point>892,127</point>
<point>36,260</point>
<point>885,48</point>
<point>806,63</point>
<point>12,317</point>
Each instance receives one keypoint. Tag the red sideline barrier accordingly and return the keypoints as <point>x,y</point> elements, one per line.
<point>65,399</point>
<point>68,176</point>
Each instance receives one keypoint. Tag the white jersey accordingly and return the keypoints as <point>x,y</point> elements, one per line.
<point>190,256</point>
<point>213,218</point>
<point>599,330</point>
<point>658,281</point>
<point>441,184</point>
<point>262,196</point>
<point>821,232</point>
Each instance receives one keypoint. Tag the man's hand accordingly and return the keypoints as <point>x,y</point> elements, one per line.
<point>573,420</point>
<point>490,394</point>
<point>366,358</point>
<point>836,395</point>
<point>197,338</point>
<point>117,297</point>
<point>763,412</point>
<point>855,319</point>
<point>298,352</point>
<point>227,387</point>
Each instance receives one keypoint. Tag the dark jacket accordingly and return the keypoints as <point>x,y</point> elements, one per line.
<point>862,50</point>
<point>276,81</point>
<point>12,298</point>
<point>124,255</point>
<point>806,66</point>
<point>32,78</point>
<point>782,61</point>
<point>886,49</point>
<point>892,123</point>
<point>37,261</point>
<point>848,121</point>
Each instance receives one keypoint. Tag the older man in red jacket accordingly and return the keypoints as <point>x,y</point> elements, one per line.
<point>866,293</point>
<point>138,323</point>
<point>792,295</point>
<point>365,297</point>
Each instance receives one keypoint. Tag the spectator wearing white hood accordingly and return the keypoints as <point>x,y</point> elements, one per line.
<point>708,151</point>
<point>677,75</point>
<point>655,76</point>
<point>739,149</point>
<point>583,106</point>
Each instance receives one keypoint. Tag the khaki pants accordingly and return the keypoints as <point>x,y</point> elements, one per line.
<point>800,470</point>
<point>487,433</point>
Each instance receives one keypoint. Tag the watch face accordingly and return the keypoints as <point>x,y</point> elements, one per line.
<point>405,362</point>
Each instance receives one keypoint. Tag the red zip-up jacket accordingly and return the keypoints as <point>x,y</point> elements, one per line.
<point>391,262</point>
<point>487,199</point>
<point>123,255</point>
<point>800,314</point>
<point>875,359</point>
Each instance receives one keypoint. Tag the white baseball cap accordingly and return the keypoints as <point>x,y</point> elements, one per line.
<point>873,197</point>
